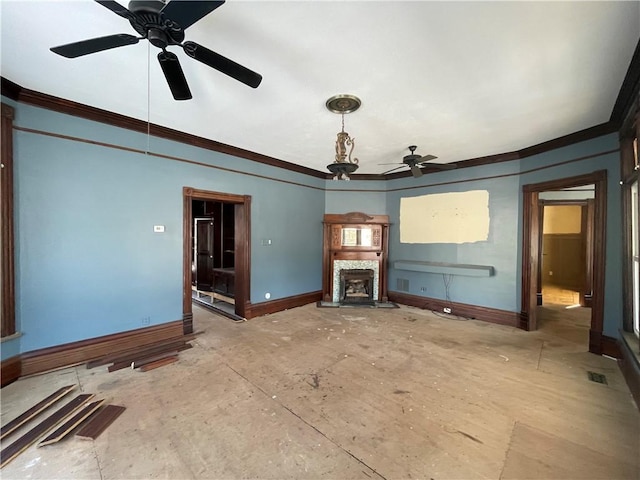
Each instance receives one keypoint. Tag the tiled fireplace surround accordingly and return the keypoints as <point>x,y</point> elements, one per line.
<point>339,265</point>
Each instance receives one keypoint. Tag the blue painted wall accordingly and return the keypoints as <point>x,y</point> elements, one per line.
<point>89,264</point>
<point>356,196</point>
<point>503,248</point>
<point>499,251</point>
<point>88,261</point>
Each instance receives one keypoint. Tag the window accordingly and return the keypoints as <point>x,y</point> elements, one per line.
<point>629,152</point>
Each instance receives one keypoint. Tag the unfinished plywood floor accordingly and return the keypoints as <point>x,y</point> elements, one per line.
<point>350,393</point>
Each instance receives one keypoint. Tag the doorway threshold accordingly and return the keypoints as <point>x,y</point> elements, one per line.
<point>323,304</point>
<point>221,308</point>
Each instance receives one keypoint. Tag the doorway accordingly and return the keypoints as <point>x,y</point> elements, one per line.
<point>226,277</point>
<point>565,254</point>
<point>594,261</point>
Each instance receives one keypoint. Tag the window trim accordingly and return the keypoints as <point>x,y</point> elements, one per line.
<point>7,277</point>
<point>630,174</point>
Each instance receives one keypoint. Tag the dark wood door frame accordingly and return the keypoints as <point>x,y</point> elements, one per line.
<point>532,230</point>
<point>242,249</point>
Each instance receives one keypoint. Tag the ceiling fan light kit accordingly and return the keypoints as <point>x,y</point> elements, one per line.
<point>343,165</point>
<point>163,24</point>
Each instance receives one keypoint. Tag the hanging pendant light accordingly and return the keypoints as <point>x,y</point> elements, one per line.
<point>343,165</point>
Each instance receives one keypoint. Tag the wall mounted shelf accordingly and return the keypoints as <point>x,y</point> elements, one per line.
<point>445,268</point>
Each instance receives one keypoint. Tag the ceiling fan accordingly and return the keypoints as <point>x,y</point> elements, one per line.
<point>163,24</point>
<point>416,162</point>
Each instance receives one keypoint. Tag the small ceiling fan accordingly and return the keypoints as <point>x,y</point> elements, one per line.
<point>416,162</point>
<point>163,24</point>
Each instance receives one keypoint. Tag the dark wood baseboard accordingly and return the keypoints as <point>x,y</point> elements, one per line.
<point>630,368</point>
<point>603,345</point>
<point>187,323</point>
<point>610,346</point>
<point>273,306</point>
<point>10,370</point>
<point>486,314</point>
<point>44,359</point>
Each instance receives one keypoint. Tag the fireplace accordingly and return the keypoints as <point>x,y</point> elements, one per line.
<point>355,243</point>
<point>356,286</point>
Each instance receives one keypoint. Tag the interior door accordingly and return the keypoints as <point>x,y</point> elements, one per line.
<point>203,241</point>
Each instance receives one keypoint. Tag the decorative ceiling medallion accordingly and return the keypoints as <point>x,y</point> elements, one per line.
<point>343,103</point>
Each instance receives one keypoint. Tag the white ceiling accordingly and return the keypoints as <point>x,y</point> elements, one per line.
<point>458,79</point>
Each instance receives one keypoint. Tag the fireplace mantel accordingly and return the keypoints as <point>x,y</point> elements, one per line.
<point>351,239</point>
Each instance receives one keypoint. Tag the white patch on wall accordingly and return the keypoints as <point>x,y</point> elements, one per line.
<point>454,217</point>
<point>353,265</point>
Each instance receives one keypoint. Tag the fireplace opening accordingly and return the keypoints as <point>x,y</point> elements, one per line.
<point>356,287</point>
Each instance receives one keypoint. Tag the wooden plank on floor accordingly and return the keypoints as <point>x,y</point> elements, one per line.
<point>34,411</point>
<point>25,441</point>
<point>132,354</point>
<point>100,422</point>
<point>155,358</point>
<point>158,364</point>
<point>128,362</point>
<point>68,426</point>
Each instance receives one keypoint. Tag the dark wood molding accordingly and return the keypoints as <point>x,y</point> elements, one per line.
<point>610,346</point>
<point>629,90</point>
<point>530,258</point>
<point>570,139</point>
<point>630,368</point>
<point>16,92</point>
<point>75,109</point>
<point>242,236</point>
<point>9,89</point>
<point>531,229</point>
<point>45,359</point>
<point>273,306</point>
<point>10,370</point>
<point>476,312</point>
<point>564,141</point>
<point>355,217</point>
<point>629,132</point>
<point>7,293</point>
<point>603,345</point>
<point>242,240</point>
<point>187,323</point>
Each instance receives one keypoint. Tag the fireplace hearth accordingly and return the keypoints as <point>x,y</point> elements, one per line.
<point>356,286</point>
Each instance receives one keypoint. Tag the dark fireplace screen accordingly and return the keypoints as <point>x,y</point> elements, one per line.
<point>356,287</point>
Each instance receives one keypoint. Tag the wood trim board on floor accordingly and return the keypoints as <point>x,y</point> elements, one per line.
<point>99,422</point>
<point>145,361</point>
<point>34,411</point>
<point>158,363</point>
<point>25,441</point>
<point>137,353</point>
<point>68,426</point>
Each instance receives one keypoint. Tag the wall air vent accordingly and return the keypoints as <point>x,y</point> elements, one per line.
<point>402,285</point>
